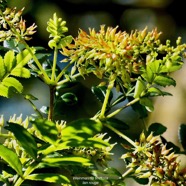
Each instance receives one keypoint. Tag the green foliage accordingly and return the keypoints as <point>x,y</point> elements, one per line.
<point>182,136</point>
<point>11,158</point>
<point>13,67</point>
<point>132,68</point>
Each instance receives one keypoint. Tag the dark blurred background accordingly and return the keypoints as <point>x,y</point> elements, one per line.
<point>167,15</point>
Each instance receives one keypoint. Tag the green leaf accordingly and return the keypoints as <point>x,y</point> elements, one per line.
<point>154,66</point>
<point>11,158</point>
<point>49,177</point>
<point>116,123</point>
<point>81,129</point>
<point>25,139</point>
<point>100,92</point>
<point>182,135</point>
<point>2,68</point>
<point>147,102</point>
<point>139,88</point>
<point>13,45</point>
<point>141,181</point>
<point>154,91</point>
<point>21,72</point>
<point>152,69</point>
<point>69,98</point>
<point>164,81</point>
<point>24,57</point>
<point>138,108</point>
<point>9,60</point>
<point>173,64</point>
<point>47,129</point>
<point>4,91</point>
<point>62,161</point>
<point>157,129</point>
<point>12,82</point>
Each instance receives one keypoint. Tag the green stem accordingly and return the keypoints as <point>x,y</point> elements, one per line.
<point>125,106</point>
<point>54,64</point>
<point>51,107</point>
<point>66,80</point>
<point>45,77</point>
<point>34,107</point>
<point>6,135</point>
<point>104,106</point>
<point>120,134</point>
<point>61,73</point>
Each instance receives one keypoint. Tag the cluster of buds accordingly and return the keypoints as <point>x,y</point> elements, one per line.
<point>13,26</point>
<point>99,156</point>
<point>110,53</point>
<point>151,158</point>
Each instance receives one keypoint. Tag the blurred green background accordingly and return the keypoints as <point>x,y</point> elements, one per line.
<point>167,15</point>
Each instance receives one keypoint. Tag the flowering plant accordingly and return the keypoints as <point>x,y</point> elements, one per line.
<point>131,69</point>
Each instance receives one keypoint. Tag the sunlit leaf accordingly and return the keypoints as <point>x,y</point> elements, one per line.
<point>11,158</point>
<point>12,82</point>
<point>81,129</point>
<point>47,129</point>
<point>4,91</point>
<point>24,57</point>
<point>25,139</point>
<point>139,88</point>
<point>62,161</point>
<point>49,177</point>
<point>2,68</point>
<point>21,72</point>
<point>9,60</point>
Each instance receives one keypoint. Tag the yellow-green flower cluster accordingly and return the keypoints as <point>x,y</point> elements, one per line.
<point>115,54</point>
<point>151,158</point>
<point>13,26</point>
